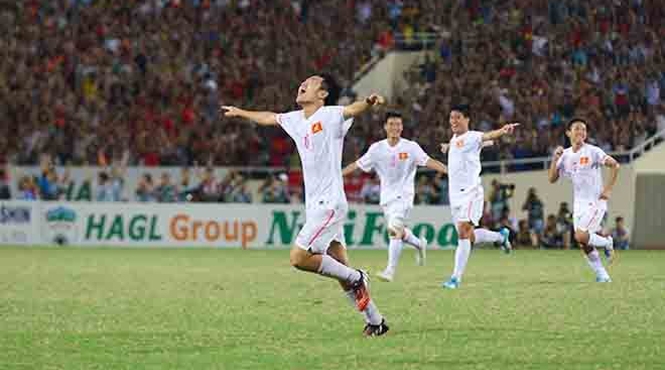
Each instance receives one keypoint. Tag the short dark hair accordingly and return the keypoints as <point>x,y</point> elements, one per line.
<point>330,85</point>
<point>618,219</point>
<point>574,120</point>
<point>392,114</point>
<point>465,109</point>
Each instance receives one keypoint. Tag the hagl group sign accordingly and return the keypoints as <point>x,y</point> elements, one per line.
<point>218,225</point>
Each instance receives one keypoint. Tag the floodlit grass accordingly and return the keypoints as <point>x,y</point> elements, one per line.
<point>238,309</point>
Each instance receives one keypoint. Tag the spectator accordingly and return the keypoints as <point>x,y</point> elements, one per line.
<point>297,196</point>
<point>230,186</point>
<point>27,189</point>
<point>620,234</point>
<point>426,190</point>
<point>274,190</point>
<point>534,207</point>
<point>48,184</point>
<point>145,189</point>
<point>109,189</point>
<point>371,190</point>
<point>552,235</point>
<point>208,188</point>
<point>499,196</point>
<point>104,188</point>
<point>5,191</point>
<point>564,224</point>
<point>440,183</point>
<point>166,190</point>
<point>525,236</point>
<point>241,194</point>
<point>186,191</point>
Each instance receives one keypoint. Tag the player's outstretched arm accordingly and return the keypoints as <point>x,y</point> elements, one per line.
<point>614,173</point>
<point>262,118</point>
<point>359,107</point>
<point>436,165</point>
<point>349,169</point>
<point>505,130</point>
<point>553,172</point>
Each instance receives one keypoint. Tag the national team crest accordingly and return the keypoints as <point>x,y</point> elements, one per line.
<point>459,143</point>
<point>403,156</point>
<point>584,161</point>
<point>317,127</point>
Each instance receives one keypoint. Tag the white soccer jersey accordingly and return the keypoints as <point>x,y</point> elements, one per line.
<point>584,170</point>
<point>396,167</point>
<point>464,165</point>
<point>319,140</point>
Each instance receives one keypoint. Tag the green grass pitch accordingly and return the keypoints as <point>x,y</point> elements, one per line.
<point>247,309</point>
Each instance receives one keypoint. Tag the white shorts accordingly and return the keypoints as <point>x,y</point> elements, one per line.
<point>396,212</point>
<point>588,216</point>
<point>468,208</point>
<point>322,226</point>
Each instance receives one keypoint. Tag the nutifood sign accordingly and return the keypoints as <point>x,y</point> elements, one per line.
<point>366,227</point>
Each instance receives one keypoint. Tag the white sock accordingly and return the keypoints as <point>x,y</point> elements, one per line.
<point>461,257</point>
<point>596,264</point>
<point>596,240</point>
<point>409,238</point>
<point>331,268</point>
<point>371,313</point>
<point>394,251</point>
<point>487,236</point>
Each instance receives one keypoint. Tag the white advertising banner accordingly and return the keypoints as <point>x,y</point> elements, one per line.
<point>19,223</point>
<point>214,225</point>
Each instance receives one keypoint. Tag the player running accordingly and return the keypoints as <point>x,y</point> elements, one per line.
<point>466,191</point>
<point>318,130</point>
<point>582,163</point>
<point>395,161</point>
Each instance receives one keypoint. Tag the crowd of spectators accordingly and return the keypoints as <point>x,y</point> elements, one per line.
<point>84,80</point>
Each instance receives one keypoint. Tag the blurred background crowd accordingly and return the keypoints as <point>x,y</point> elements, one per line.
<point>83,80</point>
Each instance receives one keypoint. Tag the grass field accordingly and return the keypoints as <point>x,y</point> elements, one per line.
<point>237,309</point>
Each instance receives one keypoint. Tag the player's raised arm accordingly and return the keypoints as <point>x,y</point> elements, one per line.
<point>505,130</point>
<point>350,168</point>
<point>614,173</point>
<point>262,118</point>
<point>553,172</point>
<point>359,107</point>
<point>436,165</point>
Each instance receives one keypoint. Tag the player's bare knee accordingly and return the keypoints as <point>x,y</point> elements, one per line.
<point>395,233</point>
<point>465,230</point>
<point>581,236</point>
